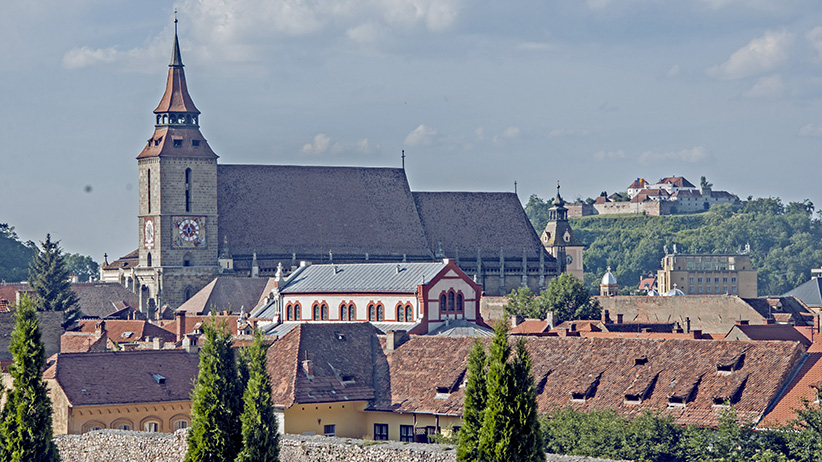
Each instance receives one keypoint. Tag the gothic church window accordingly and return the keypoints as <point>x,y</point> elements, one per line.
<point>372,313</point>
<point>460,304</point>
<point>316,312</point>
<point>380,312</point>
<point>352,312</point>
<point>324,309</point>
<point>188,190</point>
<point>343,312</point>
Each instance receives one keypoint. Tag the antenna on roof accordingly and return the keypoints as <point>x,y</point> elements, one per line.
<point>175,21</point>
<point>403,159</point>
<point>515,186</point>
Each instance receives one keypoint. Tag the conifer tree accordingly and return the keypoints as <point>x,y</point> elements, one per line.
<point>474,405</point>
<point>261,439</point>
<point>216,400</point>
<point>496,441</point>
<point>528,445</point>
<point>26,425</point>
<point>49,278</point>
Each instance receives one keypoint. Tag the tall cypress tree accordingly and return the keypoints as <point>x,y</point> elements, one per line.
<point>261,439</point>
<point>49,278</point>
<point>26,426</point>
<point>216,400</point>
<point>496,441</point>
<point>528,444</point>
<point>474,405</point>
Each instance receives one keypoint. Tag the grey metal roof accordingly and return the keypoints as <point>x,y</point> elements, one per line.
<point>810,292</point>
<point>384,327</point>
<point>363,277</point>
<point>283,328</point>
<point>461,327</point>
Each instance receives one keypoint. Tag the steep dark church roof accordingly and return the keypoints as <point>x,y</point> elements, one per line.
<point>466,221</point>
<point>275,210</point>
<point>810,292</point>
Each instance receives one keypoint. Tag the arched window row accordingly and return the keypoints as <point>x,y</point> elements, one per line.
<point>320,311</point>
<point>452,302</point>
<point>376,312</point>
<point>293,312</point>
<point>405,312</point>
<point>348,311</point>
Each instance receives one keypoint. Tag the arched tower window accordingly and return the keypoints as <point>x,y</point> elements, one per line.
<point>148,189</point>
<point>187,259</point>
<point>148,259</point>
<point>188,293</point>
<point>188,190</point>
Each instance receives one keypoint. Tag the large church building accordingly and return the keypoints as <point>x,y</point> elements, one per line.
<point>199,218</point>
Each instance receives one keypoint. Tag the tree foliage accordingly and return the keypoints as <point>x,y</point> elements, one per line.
<point>15,256</point>
<point>26,424</point>
<point>83,266</point>
<point>49,278</point>
<point>565,296</point>
<point>473,406</point>
<point>260,437</point>
<point>785,241</point>
<point>508,426</point>
<point>215,434</point>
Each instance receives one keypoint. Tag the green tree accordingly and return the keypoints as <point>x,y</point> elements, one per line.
<point>216,407</point>
<point>15,256</point>
<point>703,183</point>
<point>521,302</point>
<point>83,266</point>
<point>567,298</point>
<point>528,444</point>
<point>26,425</point>
<point>260,438</point>
<point>49,278</point>
<point>473,406</point>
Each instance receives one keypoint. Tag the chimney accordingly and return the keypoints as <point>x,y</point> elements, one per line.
<point>158,343</point>
<point>573,327</point>
<point>100,327</point>
<point>74,279</point>
<point>697,333</point>
<point>768,321</point>
<point>550,320</point>
<point>606,318</point>
<point>190,344</point>
<point>308,368</point>
<point>619,318</point>
<point>742,322</point>
<point>687,324</point>
<point>395,338</point>
<point>181,325</point>
<point>516,320</point>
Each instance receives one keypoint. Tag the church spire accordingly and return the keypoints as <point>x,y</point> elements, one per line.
<point>176,58</point>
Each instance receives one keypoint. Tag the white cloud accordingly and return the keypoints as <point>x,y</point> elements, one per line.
<point>767,87</point>
<point>511,132</point>
<point>695,154</point>
<point>568,132</point>
<point>759,55</point>
<point>319,146</point>
<point>480,133</point>
<point>84,56</point>
<point>421,135</point>
<point>811,130</point>
<point>814,36</point>
<point>364,146</point>
<point>673,71</point>
<point>369,33</point>
<point>602,155</point>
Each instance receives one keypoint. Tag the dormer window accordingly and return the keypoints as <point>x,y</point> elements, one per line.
<point>178,143</point>
<point>195,143</point>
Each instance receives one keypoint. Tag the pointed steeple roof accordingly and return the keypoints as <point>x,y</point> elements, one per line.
<point>176,97</point>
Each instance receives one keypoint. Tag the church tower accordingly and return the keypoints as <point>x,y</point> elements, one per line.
<point>177,217</point>
<point>559,240</point>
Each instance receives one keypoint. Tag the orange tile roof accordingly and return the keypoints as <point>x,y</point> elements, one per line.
<point>801,387</point>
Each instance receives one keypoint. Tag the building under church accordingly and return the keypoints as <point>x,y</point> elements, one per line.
<point>199,218</point>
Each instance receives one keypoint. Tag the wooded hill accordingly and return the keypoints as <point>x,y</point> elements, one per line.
<point>785,241</point>
<point>15,257</point>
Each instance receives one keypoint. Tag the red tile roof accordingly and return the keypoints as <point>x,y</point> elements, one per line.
<point>119,330</point>
<point>802,386</point>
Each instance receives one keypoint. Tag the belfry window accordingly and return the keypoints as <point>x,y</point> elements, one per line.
<point>188,190</point>
<point>148,260</point>
<point>148,189</point>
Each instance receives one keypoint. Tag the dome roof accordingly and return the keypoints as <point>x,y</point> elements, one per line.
<point>653,293</point>
<point>673,292</point>
<point>609,279</point>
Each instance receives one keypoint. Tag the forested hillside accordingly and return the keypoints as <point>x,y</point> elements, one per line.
<point>785,241</point>
<point>15,257</point>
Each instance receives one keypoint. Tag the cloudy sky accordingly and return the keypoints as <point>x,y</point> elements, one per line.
<point>480,94</point>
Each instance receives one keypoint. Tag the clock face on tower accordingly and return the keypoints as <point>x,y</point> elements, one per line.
<point>569,259</point>
<point>188,232</point>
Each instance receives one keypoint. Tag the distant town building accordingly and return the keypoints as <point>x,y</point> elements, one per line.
<point>559,240</point>
<point>707,274</point>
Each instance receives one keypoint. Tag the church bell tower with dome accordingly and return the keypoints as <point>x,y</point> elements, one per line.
<point>177,217</point>
<point>559,240</point>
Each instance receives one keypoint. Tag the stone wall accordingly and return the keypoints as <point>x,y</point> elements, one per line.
<point>123,446</point>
